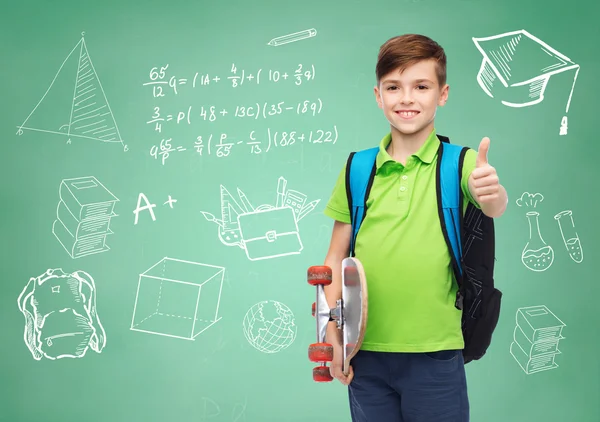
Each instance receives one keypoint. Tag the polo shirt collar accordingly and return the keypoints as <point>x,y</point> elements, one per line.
<point>426,153</point>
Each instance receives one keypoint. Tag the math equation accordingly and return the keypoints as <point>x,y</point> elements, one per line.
<point>210,114</point>
<point>256,143</point>
<point>207,139</point>
<point>163,83</point>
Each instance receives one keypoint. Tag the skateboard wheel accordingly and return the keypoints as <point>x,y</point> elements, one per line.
<point>314,308</point>
<point>319,274</point>
<point>320,352</point>
<point>321,374</point>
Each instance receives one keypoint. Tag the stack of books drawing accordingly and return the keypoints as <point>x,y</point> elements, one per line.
<point>536,338</point>
<point>83,216</point>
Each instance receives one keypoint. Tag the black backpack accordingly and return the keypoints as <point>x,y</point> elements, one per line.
<point>470,238</point>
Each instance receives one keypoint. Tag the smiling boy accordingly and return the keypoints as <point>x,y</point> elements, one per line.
<point>410,367</point>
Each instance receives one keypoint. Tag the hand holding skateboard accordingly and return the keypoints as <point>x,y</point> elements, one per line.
<point>350,314</point>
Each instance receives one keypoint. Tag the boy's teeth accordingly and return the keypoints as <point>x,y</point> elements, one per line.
<point>408,113</point>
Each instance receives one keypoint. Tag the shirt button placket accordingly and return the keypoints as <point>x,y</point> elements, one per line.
<point>403,186</point>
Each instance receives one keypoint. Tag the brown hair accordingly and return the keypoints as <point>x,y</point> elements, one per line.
<point>405,50</point>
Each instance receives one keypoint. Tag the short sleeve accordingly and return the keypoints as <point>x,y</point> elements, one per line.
<point>468,167</point>
<point>337,206</point>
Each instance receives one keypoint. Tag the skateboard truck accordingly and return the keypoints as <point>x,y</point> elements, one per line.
<point>322,352</point>
<point>349,313</point>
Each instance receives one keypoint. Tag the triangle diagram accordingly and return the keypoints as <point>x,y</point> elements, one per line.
<point>75,104</point>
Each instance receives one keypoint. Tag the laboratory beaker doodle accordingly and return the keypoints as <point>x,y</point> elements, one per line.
<point>537,255</point>
<point>529,200</point>
<point>569,235</point>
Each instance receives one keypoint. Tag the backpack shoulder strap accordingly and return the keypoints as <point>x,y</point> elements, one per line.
<point>360,172</point>
<point>450,199</point>
<point>98,338</point>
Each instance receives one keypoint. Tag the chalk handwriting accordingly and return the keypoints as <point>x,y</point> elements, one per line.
<point>161,82</point>
<point>254,111</point>
<point>139,209</point>
<point>221,144</point>
<point>149,206</point>
<point>163,149</point>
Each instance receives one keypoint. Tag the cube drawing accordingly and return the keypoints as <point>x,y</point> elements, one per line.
<point>178,298</point>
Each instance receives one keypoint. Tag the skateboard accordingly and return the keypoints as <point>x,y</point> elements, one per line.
<point>350,314</point>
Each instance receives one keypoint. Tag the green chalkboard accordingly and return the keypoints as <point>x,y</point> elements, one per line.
<point>153,148</point>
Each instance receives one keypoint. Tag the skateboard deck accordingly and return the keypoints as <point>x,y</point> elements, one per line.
<point>354,310</point>
<point>350,315</point>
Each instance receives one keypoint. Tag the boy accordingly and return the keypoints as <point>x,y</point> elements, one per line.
<point>410,367</point>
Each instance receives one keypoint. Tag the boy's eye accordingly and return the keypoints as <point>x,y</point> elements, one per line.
<point>422,87</point>
<point>391,88</point>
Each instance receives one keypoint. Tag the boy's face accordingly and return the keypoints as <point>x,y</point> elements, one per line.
<point>409,100</point>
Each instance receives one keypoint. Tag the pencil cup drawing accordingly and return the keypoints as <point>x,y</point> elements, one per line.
<point>78,97</point>
<point>177,298</point>
<point>83,215</point>
<point>265,231</point>
<point>61,318</point>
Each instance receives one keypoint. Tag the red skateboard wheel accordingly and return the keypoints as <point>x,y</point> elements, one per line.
<point>314,308</point>
<point>321,374</point>
<point>320,352</point>
<point>319,274</point>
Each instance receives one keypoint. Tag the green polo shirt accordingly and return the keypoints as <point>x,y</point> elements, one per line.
<point>411,286</point>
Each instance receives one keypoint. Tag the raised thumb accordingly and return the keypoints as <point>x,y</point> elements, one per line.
<point>482,153</point>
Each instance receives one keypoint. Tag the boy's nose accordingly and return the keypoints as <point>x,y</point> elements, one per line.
<point>406,98</point>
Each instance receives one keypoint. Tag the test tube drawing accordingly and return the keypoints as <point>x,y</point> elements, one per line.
<point>296,36</point>
<point>569,235</point>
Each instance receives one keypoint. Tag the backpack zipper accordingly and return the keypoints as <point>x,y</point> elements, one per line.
<point>50,338</point>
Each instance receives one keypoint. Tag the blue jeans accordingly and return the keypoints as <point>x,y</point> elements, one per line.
<point>409,387</point>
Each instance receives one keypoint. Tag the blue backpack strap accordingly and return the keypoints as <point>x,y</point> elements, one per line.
<point>450,159</point>
<point>360,172</point>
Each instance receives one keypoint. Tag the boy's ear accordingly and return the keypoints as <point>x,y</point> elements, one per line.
<point>444,95</point>
<point>377,96</point>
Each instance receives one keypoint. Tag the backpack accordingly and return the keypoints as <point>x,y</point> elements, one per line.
<point>60,315</point>
<point>470,238</point>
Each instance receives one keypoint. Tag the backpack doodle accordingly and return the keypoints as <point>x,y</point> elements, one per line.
<point>60,315</point>
<point>470,239</point>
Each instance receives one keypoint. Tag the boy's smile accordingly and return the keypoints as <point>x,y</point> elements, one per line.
<point>410,99</point>
<point>407,114</point>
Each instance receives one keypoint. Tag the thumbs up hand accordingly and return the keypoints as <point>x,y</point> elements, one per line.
<point>483,182</point>
<point>482,153</point>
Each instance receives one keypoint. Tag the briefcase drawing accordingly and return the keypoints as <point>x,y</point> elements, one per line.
<point>270,233</point>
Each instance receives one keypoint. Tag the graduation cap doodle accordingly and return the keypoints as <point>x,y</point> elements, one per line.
<point>522,63</point>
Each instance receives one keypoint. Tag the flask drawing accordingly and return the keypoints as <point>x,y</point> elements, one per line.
<point>569,235</point>
<point>537,255</point>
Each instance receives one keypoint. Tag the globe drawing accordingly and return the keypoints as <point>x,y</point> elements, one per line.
<point>269,326</point>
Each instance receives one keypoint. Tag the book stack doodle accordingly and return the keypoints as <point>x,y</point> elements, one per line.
<point>83,216</point>
<point>536,338</point>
